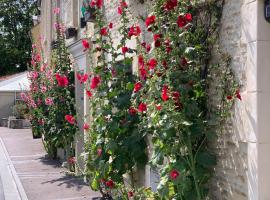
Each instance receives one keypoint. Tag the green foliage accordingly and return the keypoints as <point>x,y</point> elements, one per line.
<point>15,26</point>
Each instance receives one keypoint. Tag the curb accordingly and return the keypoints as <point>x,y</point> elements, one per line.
<point>10,166</point>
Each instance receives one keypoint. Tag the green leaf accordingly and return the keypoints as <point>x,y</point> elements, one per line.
<point>206,159</point>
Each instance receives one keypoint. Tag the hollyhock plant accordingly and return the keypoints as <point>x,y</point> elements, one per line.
<point>82,78</point>
<point>170,5</point>
<point>72,160</point>
<point>238,95</point>
<point>49,101</point>
<point>89,93</point>
<point>132,111</point>
<point>134,31</point>
<point>164,95</point>
<point>152,63</point>
<point>110,25</point>
<point>124,50</point>
<point>86,126</point>
<point>109,184</point>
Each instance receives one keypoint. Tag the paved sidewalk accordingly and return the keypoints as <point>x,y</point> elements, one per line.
<point>40,178</point>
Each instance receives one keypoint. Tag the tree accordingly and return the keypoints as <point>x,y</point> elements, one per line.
<point>15,40</point>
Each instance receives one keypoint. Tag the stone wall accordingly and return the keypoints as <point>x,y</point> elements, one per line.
<point>230,178</point>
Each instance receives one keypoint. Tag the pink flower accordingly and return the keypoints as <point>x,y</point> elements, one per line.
<point>43,89</point>
<point>174,174</point>
<point>86,126</point>
<point>72,160</point>
<point>49,101</point>
<point>134,31</point>
<point>119,10</point>
<point>82,78</point>
<point>70,119</point>
<point>130,194</point>
<point>56,10</point>
<point>238,95</point>
<point>99,152</point>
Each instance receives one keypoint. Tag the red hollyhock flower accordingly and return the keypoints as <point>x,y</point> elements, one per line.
<point>86,126</point>
<point>188,17</point>
<point>85,44</point>
<point>124,50</point>
<point>70,119</point>
<point>95,82</point>
<point>164,95</point>
<point>132,111</point>
<point>170,5</point>
<point>159,107</point>
<point>134,31</point>
<point>124,4</point>
<point>150,20</point>
<point>184,62</point>
<point>99,3</point>
<point>62,80</point>
<point>157,37</point>
<point>174,174</point>
<point>89,93</point>
<point>92,3</point>
<point>183,20</point>
<point>119,10</point>
<point>157,43</point>
<point>111,25</point>
<point>238,95</point>
<point>137,86</point>
<point>148,48</point>
<point>176,95</point>
<point>109,184</point>
<point>104,31</point>
<point>141,60</point>
<point>142,107</point>
<point>130,194</point>
<point>82,78</point>
<point>229,97</point>
<point>72,160</point>
<point>152,63</point>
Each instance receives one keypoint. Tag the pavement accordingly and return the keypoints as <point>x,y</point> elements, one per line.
<point>26,173</point>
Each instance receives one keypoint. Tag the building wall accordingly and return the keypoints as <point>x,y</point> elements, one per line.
<point>7,101</point>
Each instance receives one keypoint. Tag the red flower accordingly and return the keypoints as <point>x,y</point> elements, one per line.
<point>229,97</point>
<point>150,20</point>
<point>142,107</point>
<point>89,93</point>
<point>188,17</point>
<point>104,31</point>
<point>72,160</point>
<point>95,82</point>
<point>159,107</point>
<point>111,25</point>
<point>124,4</point>
<point>130,194</point>
<point>99,3</point>
<point>238,95</point>
<point>164,95</point>
<point>119,10</point>
<point>137,86</point>
<point>99,152</point>
<point>176,95</point>
<point>124,50</point>
<point>70,119</point>
<point>109,184</point>
<point>134,31</point>
<point>86,126</point>
<point>157,37</point>
<point>85,44</point>
<point>174,174</point>
<point>164,64</point>
<point>132,111</point>
<point>152,63</point>
<point>141,60</point>
<point>157,43</point>
<point>148,48</point>
<point>82,78</point>
<point>62,80</point>
<point>184,62</point>
<point>170,5</point>
<point>183,20</point>
<point>92,3</point>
